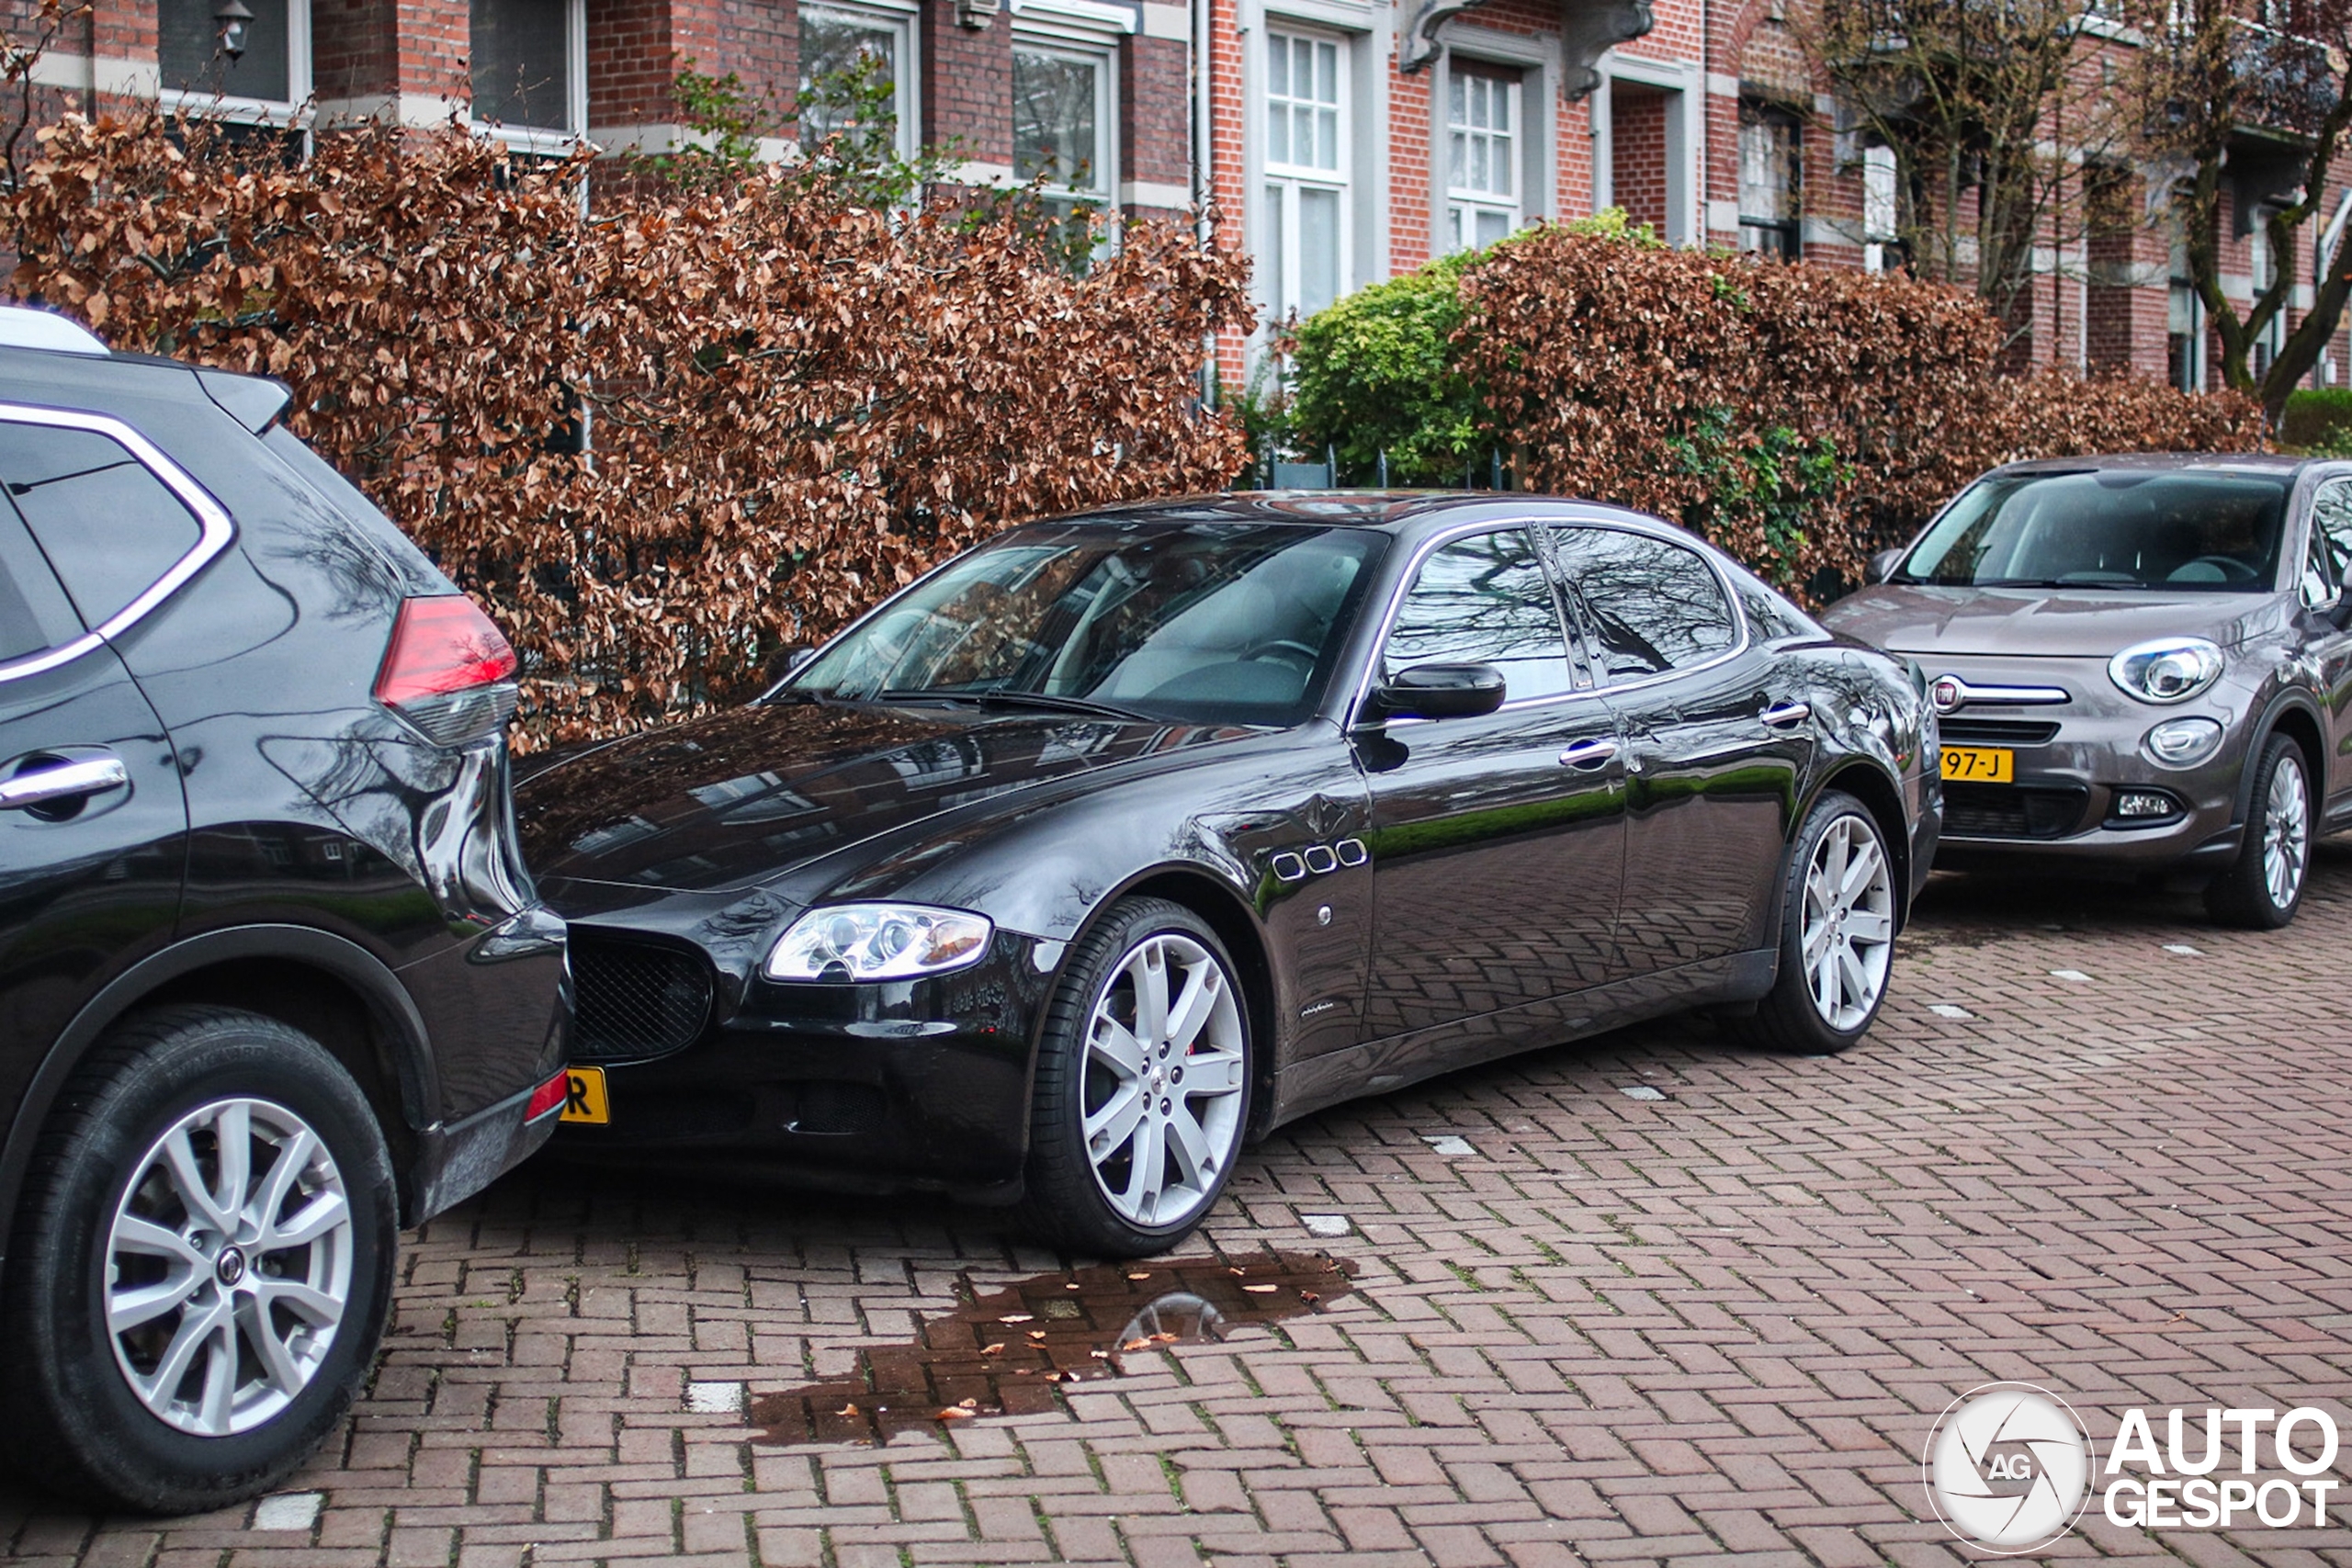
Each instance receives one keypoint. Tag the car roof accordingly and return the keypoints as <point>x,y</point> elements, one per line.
<point>1408,515</point>
<point>2279,463</point>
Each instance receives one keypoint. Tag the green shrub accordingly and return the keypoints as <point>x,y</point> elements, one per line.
<point>1374,373</point>
<point>2318,419</point>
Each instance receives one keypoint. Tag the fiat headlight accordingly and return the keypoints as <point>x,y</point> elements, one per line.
<point>2170,669</point>
<point>877,941</point>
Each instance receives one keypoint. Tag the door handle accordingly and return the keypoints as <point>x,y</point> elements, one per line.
<point>1587,755</point>
<point>1786,715</point>
<point>68,780</point>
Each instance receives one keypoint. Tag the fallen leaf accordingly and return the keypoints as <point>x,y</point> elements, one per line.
<point>1164,1338</point>
<point>995,1350</point>
<point>1309,1297</point>
<point>1139,1276</point>
<point>1100,1355</point>
<point>1136,1345</point>
<point>1018,1317</point>
<point>1237,1273</point>
<point>1071,1286</point>
<point>846,1410</point>
<point>955,1413</point>
<point>967,1404</point>
<point>1036,1334</point>
<point>1258,1290</point>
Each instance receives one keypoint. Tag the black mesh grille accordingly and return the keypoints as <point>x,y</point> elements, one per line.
<point>1999,811</point>
<point>1998,731</point>
<point>634,1001</point>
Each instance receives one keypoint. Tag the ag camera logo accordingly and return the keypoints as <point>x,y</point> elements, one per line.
<point>2007,1466</point>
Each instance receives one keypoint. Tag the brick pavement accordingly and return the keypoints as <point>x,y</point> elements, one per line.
<point>1619,1330</point>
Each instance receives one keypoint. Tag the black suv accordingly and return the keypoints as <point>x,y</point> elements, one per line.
<point>273,980</point>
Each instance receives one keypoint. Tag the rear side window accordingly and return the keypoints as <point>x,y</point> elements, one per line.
<point>1484,600</point>
<point>34,617</point>
<point>106,523</point>
<point>1652,607</point>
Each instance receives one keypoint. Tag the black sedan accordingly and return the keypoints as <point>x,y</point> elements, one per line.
<point>1125,837</point>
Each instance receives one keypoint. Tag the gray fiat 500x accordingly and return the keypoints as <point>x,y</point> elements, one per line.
<point>2140,664</point>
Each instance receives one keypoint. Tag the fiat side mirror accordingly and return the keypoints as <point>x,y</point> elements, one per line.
<point>1439,691</point>
<point>1882,565</point>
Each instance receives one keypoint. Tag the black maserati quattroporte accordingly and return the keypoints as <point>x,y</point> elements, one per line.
<point>1127,837</point>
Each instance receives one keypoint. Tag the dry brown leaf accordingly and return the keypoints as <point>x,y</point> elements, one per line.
<point>1260,1289</point>
<point>995,1350</point>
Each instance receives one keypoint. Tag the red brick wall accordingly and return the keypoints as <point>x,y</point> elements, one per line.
<point>1637,153</point>
<point>968,83</point>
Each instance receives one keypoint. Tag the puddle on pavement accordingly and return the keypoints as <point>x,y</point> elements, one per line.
<point>1008,1352</point>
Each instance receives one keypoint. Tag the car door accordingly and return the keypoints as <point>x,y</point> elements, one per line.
<point>2327,557</point>
<point>1716,741</point>
<point>93,829</point>
<point>1497,841</point>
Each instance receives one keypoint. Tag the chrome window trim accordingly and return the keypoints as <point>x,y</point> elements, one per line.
<point>214,531</point>
<point>1411,574</point>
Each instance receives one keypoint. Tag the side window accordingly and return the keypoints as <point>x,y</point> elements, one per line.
<point>1652,607</point>
<point>34,616</point>
<point>107,524</point>
<point>2332,530</point>
<point>1484,600</point>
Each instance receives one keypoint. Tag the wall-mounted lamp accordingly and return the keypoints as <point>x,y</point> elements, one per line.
<point>229,18</point>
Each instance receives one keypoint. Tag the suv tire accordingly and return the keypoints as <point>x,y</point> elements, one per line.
<point>108,1224</point>
<point>2264,887</point>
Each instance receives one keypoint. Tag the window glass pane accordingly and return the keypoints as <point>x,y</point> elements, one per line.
<point>2332,521</point>
<point>1651,605</point>
<point>1319,248</point>
<point>107,524</point>
<point>521,62</point>
<point>1055,118</point>
<point>1484,601</point>
<point>188,45</point>
<point>1764,148</point>
<point>1271,254</point>
<point>833,45</point>
<point>33,613</point>
<point>1492,226</point>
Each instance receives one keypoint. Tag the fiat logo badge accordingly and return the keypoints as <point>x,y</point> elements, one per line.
<point>1947,693</point>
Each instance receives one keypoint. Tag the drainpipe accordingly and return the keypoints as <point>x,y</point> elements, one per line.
<point>1203,186</point>
<point>2327,244</point>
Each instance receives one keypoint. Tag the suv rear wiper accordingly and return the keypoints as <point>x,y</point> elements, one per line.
<point>1047,700</point>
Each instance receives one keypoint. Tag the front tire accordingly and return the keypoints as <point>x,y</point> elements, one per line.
<point>1837,933</point>
<point>2265,887</point>
<point>1142,1090</point>
<point>202,1266</point>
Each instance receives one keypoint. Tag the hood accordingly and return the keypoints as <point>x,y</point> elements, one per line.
<point>2044,623</point>
<point>733,799</point>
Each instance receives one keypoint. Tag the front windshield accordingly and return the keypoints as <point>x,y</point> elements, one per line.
<point>1226,623</point>
<point>2215,533</point>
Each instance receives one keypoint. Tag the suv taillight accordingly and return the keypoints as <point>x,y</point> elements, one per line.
<point>448,670</point>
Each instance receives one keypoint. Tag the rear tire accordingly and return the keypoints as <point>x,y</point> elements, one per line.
<point>1836,934</point>
<point>1142,1093</point>
<point>201,1267</point>
<point>2262,890</point>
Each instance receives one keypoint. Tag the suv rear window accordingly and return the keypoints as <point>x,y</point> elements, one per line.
<point>107,524</point>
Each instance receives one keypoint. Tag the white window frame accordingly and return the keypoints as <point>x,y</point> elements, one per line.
<point>1536,58</point>
<point>290,111</point>
<point>900,19</point>
<point>1280,184</point>
<point>1882,205</point>
<point>552,139</point>
<point>1102,54</point>
<point>1684,84</point>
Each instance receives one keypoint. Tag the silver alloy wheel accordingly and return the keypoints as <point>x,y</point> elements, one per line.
<point>1849,925</point>
<point>1163,1081</point>
<point>227,1267</point>
<point>2286,830</point>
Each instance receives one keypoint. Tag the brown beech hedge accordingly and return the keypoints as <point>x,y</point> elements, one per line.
<point>793,401</point>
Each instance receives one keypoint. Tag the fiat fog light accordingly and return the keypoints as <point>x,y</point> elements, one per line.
<point>2170,669</point>
<point>2184,743</point>
<point>877,941</point>
<point>2144,805</point>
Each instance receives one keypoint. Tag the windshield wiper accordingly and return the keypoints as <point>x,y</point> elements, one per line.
<point>1047,700</point>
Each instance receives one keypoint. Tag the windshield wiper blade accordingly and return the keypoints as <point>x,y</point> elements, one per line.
<point>1046,700</point>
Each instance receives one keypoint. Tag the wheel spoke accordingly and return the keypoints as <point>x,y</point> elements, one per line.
<point>1195,1163</point>
<point>324,1213</point>
<point>160,1389</point>
<point>148,1239</point>
<point>233,1132</point>
<point>1194,1005</point>
<point>270,1199</point>
<point>1825,982</point>
<point>1116,1047</point>
<point>1107,1128</point>
<point>1149,971</point>
<point>1857,981</point>
<point>1869,925</point>
<point>1146,1173</point>
<point>284,1372</point>
<point>126,1310</point>
<point>188,1182</point>
<point>307,1300</point>
<point>1207,1075</point>
<point>219,1371</point>
<point>1862,869</point>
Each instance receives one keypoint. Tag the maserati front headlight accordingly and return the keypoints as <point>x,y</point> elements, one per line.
<point>877,941</point>
<point>2169,669</point>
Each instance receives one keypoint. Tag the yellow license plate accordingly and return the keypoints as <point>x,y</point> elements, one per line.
<point>583,1100</point>
<point>1975,764</point>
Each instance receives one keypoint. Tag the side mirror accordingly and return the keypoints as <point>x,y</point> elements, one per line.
<point>1440,690</point>
<point>1882,565</point>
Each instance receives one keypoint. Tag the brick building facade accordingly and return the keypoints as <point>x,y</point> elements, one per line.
<point>1346,141</point>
